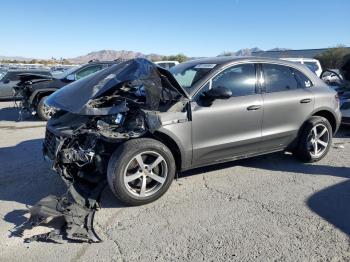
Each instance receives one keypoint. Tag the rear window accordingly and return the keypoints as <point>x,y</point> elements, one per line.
<point>46,73</point>
<point>312,66</point>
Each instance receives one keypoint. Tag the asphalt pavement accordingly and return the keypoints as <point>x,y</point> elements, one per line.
<point>267,208</point>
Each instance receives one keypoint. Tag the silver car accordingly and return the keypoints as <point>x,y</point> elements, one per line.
<point>136,124</point>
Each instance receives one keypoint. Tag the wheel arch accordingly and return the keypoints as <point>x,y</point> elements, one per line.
<point>323,112</point>
<point>172,145</point>
<point>329,116</point>
<point>38,94</point>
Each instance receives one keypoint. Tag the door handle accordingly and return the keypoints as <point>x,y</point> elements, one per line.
<point>305,101</point>
<point>253,107</point>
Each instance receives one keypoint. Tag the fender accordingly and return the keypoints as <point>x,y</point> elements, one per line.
<point>38,91</point>
<point>183,131</point>
<point>336,115</point>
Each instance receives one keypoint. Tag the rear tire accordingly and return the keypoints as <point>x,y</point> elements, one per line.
<point>134,174</point>
<point>315,140</point>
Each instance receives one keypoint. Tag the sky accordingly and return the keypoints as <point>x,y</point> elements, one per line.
<point>45,29</point>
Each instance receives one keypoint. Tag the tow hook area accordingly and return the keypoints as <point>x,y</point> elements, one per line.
<point>69,218</point>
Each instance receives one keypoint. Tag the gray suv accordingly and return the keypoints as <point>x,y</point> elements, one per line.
<point>136,124</point>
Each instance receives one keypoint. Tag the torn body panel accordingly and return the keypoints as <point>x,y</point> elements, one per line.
<point>68,220</point>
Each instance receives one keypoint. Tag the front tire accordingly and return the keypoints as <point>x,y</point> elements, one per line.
<point>140,171</point>
<point>43,111</point>
<point>315,140</point>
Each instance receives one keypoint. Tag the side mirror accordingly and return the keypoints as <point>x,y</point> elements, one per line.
<point>6,81</point>
<point>219,92</point>
<point>70,77</point>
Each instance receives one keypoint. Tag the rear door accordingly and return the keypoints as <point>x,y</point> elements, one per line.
<point>288,101</point>
<point>231,127</point>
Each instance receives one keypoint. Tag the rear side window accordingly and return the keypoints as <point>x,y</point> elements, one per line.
<point>304,81</point>
<point>240,79</point>
<point>279,78</point>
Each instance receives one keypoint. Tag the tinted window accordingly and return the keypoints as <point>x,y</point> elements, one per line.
<point>239,79</point>
<point>303,80</point>
<point>88,71</point>
<point>279,78</point>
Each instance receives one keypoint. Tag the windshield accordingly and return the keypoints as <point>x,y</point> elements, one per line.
<point>65,73</point>
<point>188,74</point>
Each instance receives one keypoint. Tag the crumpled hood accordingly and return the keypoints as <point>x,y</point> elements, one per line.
<point>25,77</point>
<point>77,97</point>
<point>28,76</point>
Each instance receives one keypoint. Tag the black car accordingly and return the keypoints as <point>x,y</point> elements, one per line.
<point>10,78</point>
<point>34,88</point>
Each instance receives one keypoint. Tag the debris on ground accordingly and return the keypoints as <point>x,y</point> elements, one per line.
<point>339,145</point>
<point>69,219</point>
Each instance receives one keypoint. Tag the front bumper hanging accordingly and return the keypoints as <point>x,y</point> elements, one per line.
<point>70,220</point>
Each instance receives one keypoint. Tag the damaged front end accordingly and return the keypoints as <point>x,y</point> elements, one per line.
<point>95,115</point>
<point>24,89</point>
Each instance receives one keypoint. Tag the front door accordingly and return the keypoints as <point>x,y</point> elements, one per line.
<point>227,128</point>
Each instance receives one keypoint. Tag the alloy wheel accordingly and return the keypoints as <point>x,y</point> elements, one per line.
<point>145,174</point>
<point>48,111</point>
<point>318,140</point>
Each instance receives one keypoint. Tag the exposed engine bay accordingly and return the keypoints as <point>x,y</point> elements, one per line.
<point>93,116</point>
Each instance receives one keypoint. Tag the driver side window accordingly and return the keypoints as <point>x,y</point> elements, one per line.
<point>88,71</point>
<point>240,79</point>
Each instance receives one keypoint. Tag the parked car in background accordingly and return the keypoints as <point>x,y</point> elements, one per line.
<point>137,124</point>
<point>34,89</point>
<point>330,76</point>
<point>334,78</point>
<point>313,64</point>
<point>345,110</point>
<point>10,78</point>
<point>167,64</point>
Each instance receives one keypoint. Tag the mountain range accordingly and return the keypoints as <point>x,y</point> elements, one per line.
<point>124,54</point>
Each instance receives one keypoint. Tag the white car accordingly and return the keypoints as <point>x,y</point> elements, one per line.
<point>167,64</point>
<point>313,64</point>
